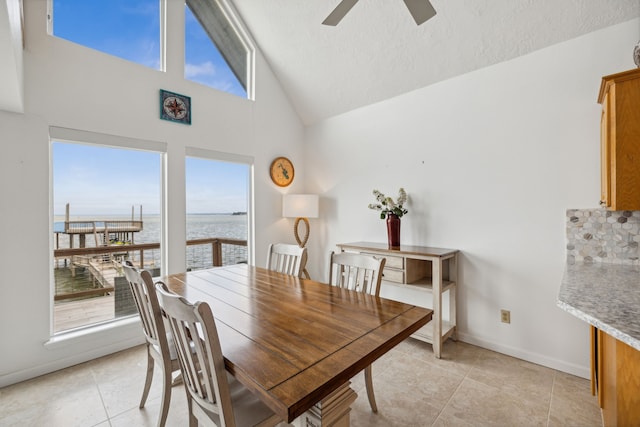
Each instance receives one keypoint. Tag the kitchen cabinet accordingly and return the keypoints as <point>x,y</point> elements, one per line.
<point>620,141</point>
<point>416,275</point>
<point>615,379</point>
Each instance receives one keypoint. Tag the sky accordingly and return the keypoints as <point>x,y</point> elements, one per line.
<point>102,180</point>
<point>97,180</point>
<point>130,29</point>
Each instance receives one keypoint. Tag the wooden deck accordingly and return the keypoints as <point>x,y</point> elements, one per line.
<point>72,314</point>
<point>103,274</point>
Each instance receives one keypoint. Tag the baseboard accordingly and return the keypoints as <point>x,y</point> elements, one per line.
<point>539,359</point>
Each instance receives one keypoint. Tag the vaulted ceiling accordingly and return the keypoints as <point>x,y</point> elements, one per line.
<point>378,52</point>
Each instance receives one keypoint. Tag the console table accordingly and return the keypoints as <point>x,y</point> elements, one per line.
<point>419,269</point>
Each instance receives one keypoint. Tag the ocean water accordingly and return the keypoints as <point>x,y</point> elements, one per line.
<point>199,226</point>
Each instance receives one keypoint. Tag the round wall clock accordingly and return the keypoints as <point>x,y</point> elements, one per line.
<point>281,171</point>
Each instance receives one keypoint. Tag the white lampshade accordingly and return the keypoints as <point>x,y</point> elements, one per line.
<point>300,206</point>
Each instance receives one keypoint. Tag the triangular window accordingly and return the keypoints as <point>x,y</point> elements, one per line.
<point>216,52</point>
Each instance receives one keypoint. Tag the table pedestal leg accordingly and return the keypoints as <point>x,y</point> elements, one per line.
<point>332,411</point>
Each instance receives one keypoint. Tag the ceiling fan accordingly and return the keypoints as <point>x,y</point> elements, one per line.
<point>421,10</point>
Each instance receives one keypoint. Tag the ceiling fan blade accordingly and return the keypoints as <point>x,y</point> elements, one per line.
<point>339,12</point>
<point>421,10</point>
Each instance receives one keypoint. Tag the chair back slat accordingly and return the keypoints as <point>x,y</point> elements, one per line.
<point>362,273</point>
<point>199,353</point>
<point>358,272</point>
<point>146,300</point>
<point>287,259</point>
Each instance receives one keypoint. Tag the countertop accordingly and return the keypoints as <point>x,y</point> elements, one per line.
<point>606,296</point>
<point>401,250</point>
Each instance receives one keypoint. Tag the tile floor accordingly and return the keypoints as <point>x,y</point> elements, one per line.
<point>469,386</point>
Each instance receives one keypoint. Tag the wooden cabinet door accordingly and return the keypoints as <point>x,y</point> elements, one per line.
<point>608,394</point>
<point>596,365</point>
<point>605,155</point>
<point>624,142</point>
<point>627,385</point>
<point>615,376</point>
<point>620,141</point>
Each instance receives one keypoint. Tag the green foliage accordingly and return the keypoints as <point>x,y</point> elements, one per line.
<point>386,205</point>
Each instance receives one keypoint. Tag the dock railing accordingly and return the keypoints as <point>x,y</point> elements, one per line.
<point>113,226</point>
<point>103,262</point>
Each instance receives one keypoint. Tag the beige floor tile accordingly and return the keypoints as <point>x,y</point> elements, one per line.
<point>121,388</point>
<point>468,386</point>
<point>457,357</point>
<point>120,379</point>
<point>396,407</point>
<point>66,397</point>
<point>449,421</point>
<point>71,408</point>
<point>524,380</point>
<point>475,403</point>
<point>148,416</point>
<point>408,392</point>
<point>123,394</point>
<point>572,403</point>
<point>427,382</point>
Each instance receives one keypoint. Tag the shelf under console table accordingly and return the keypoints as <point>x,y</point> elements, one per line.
<point>419,269</point>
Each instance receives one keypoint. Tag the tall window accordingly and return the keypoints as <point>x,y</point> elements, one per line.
<point>106,209</point>
<point>217,194</point>
<point>128,29</point>
<point>216,52</point>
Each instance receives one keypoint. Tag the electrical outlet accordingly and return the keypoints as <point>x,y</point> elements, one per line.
<point>505,316</point>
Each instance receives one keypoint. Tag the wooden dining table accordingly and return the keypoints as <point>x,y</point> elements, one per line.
<point>296,342</point>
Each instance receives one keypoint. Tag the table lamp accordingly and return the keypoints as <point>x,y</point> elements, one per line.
<point>301,207</point>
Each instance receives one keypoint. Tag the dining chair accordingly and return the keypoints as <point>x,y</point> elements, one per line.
<point>362,273</point>
<point>214,396</point>
<point>160,345</point>
<point>286,258</point>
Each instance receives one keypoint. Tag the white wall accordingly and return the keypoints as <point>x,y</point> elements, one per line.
<point>491,160</point>
<point>67,85</point>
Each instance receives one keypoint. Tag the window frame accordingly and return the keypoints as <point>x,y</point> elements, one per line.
<point>162,60</point>
<point>81,137</point>
<point>249,161</point>
<point>232,17</point>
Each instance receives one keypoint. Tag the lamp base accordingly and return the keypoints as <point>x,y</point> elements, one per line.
<point>302,242</point>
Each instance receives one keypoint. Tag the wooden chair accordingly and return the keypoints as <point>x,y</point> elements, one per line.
<point>285,258</point>
<point>214,397</point>
<point>362,273</point>
<point>160,346</point>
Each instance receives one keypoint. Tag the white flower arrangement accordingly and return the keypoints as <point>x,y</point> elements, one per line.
<point>387,206</point>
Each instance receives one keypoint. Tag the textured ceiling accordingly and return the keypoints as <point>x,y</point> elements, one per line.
<point>378,52</point>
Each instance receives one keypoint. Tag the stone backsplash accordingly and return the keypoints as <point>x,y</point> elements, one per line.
<point>599,235</point>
